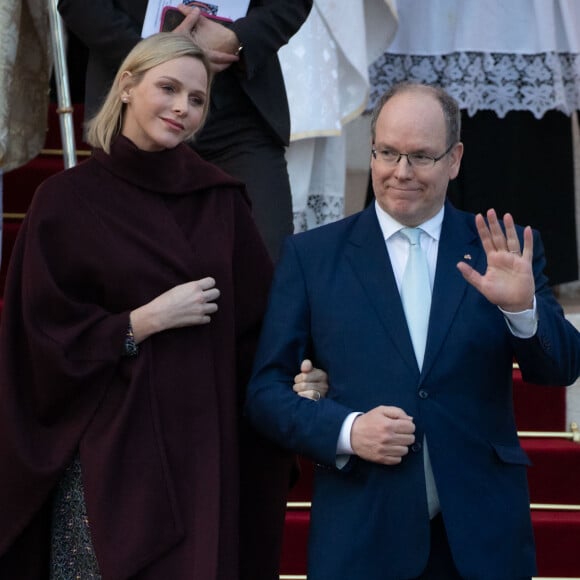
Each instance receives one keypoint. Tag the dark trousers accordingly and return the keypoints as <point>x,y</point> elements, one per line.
<point>237,139</point>
<point>440,565</point>
<point>260,163</point>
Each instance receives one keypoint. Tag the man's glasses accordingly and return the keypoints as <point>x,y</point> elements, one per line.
<point>391,157</point>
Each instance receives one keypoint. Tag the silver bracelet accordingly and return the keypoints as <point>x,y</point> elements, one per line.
<point>131,347</point>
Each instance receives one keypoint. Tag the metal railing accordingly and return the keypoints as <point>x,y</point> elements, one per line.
<point>64,108</point>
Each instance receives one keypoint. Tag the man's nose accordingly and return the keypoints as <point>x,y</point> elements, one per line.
<point>403,168</point>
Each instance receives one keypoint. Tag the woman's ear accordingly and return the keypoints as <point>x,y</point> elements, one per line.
<point>125,86</point>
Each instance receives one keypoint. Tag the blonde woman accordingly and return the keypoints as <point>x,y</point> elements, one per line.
<point>134,299</point>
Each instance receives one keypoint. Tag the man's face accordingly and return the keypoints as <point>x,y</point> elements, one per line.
<point>413,122</point>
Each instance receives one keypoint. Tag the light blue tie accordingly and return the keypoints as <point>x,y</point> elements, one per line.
<point>416,293</point>
<point>416,298</point>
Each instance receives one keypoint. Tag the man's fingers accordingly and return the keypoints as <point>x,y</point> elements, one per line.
<point>512,241</point>
<point>190,21</point>
<point>402,433</point>
<point>472,276</point>
<point>394,413</point>
<point>528,251</point>
<point>221,59</point>
<point>497,234</point>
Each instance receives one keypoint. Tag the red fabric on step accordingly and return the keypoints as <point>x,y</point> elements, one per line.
<point>21,183</point>
<point>294,548</point>
<point>9,233</point>
<point>538,408</point>
<point>557,543</point>
<point>554,475</point>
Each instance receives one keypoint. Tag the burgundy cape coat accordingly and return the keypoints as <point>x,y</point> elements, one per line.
<point>158,434</point>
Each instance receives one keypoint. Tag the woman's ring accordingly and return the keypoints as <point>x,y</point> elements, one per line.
<point>316,395</point>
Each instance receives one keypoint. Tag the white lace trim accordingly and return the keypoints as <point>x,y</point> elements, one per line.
<point>493,81</point>
<point>320,210</point>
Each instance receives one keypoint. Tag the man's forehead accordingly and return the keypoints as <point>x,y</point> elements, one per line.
<point>419,114</point>
<point>421,105</point>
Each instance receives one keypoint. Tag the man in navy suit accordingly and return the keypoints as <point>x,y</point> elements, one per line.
<point>419,471</point>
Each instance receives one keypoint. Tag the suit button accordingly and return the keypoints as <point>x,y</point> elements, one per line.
<point>416,447</point>
<point>423,394</point>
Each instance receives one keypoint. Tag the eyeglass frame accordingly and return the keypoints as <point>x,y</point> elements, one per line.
<point>434,159</point>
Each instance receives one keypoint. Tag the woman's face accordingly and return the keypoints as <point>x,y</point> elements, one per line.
<point>167,106</point>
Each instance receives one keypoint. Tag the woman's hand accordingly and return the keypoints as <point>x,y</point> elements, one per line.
<point>311,383</point>
<point>188,304</point>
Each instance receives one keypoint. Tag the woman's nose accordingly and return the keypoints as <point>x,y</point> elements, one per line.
<point>180,104</point>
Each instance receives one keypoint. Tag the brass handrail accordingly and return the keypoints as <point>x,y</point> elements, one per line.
<point>573,434</point>
<point>59,152</point>
<point>298,505</point>
<point>304,577</point>
<point>306,505</point>
<point>560,507</point>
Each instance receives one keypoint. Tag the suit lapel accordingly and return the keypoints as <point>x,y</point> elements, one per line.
<point>367,255</point>
<point>459,242</point>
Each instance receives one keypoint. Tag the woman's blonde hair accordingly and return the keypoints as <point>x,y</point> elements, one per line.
<point>148,53</point>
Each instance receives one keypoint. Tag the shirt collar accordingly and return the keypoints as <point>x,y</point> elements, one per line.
<point>390,226</point>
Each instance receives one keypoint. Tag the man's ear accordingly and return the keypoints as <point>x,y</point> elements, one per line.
<point>455,156</point>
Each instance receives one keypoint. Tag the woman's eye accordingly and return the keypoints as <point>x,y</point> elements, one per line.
<point>196,101</point>
<point>168,88</point>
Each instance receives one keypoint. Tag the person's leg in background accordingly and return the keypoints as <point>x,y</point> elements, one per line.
<point>237,139</point>
<point>261,165</point>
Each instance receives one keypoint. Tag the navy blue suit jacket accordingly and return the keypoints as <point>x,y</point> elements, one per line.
<point>335,299</point>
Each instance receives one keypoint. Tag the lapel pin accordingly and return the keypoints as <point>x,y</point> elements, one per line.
<point>467,257</point>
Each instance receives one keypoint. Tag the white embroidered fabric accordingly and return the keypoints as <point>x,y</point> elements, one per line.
<point>485,80</point>
<point>320,210</point>
<point>498,55</point>
<point>325,67</point>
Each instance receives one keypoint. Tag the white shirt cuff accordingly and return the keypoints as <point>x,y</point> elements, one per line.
<point>343,447</point>
<point>522,324</point>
